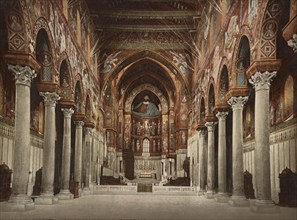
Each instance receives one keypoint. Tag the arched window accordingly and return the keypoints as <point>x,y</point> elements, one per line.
<point>78,97</point>
<point>289,97</point>
<point>146,146</point>
<point>243,61</point>
<point>44,55</point>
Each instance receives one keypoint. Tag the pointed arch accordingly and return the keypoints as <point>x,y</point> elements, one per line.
<point>42,24</point>
<point>223,86</point>
<point>88,107</point>
<point>44,56</point>
<point>78,97</point>
<point>65,79</point>
<point>242,62</point>
<point>210,98</point>
<point>202,112</point>
<point>170,70</point>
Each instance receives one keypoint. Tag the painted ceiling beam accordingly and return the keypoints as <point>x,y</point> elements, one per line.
<point>147,14</point>
<point>147,28</point>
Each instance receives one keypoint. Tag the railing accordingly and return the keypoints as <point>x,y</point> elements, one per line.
<point>101,189</point>
<point>175,190</point>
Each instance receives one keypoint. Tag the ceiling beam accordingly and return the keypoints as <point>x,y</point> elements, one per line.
<point>147,14</point>
<point>147,28</point>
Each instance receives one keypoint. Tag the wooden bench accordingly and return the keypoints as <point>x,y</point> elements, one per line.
<point>5,181</point>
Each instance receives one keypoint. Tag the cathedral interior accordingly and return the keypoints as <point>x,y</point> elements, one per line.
<point>164,97</point>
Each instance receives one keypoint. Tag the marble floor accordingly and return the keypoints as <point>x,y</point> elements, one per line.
<point>144,206</point>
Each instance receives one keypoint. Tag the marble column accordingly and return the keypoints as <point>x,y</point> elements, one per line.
<point>238,197</point>
<point>19,200</point>
<point>48,169</point>
<point>66,155</point>
<point>78,154</point>
<point>202,161</point>
<point>87,161</point>
<point>261,82</point>
<point>222,172</point>
<point>210,160</point>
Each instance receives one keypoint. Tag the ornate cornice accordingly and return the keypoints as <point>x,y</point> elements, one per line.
<point>22,59</point>
<point>263,66</point>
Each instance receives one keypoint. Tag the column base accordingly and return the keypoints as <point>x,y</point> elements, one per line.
<point>65,194</point>
<point>46,199</point>
<point>237,201</point>
<point>201,192</point>
<point>222,197</point>
<point>17,204</point>
<point>210,194</point>
<point>264,206</point>
<point>86,191</point>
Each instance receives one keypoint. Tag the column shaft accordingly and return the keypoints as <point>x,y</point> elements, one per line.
<point>87,161</point>
<point>19,199</point>
<point>48,169</point>
<point>202,161</point>
<point>66,155</point>
<point>78,153</point>
<point>222,174</point>
<point>261,82</point>
<point>238,197</point>
<point>210,159</point>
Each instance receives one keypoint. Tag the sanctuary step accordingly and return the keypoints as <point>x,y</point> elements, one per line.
<point>144,187</point>
<point>110,180</point>
<point>181,181</point>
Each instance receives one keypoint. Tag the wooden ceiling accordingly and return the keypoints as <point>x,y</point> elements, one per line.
<point>130,24</point>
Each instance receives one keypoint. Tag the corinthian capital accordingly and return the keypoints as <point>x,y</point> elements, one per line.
<point>262,80</point>
<point>67,112</point>
<point>222,115</point>
<point>202,133</point>
<point>23,74</point>
<point>79,124</point>
<point>210,125</point>
<point>237,102</point>
<point>50,98</point>
<point>88,131</point>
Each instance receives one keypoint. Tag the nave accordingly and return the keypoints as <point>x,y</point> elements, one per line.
<point>145,206</point>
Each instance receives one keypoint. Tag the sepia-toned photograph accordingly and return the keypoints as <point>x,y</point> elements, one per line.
<point>148,109</point>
